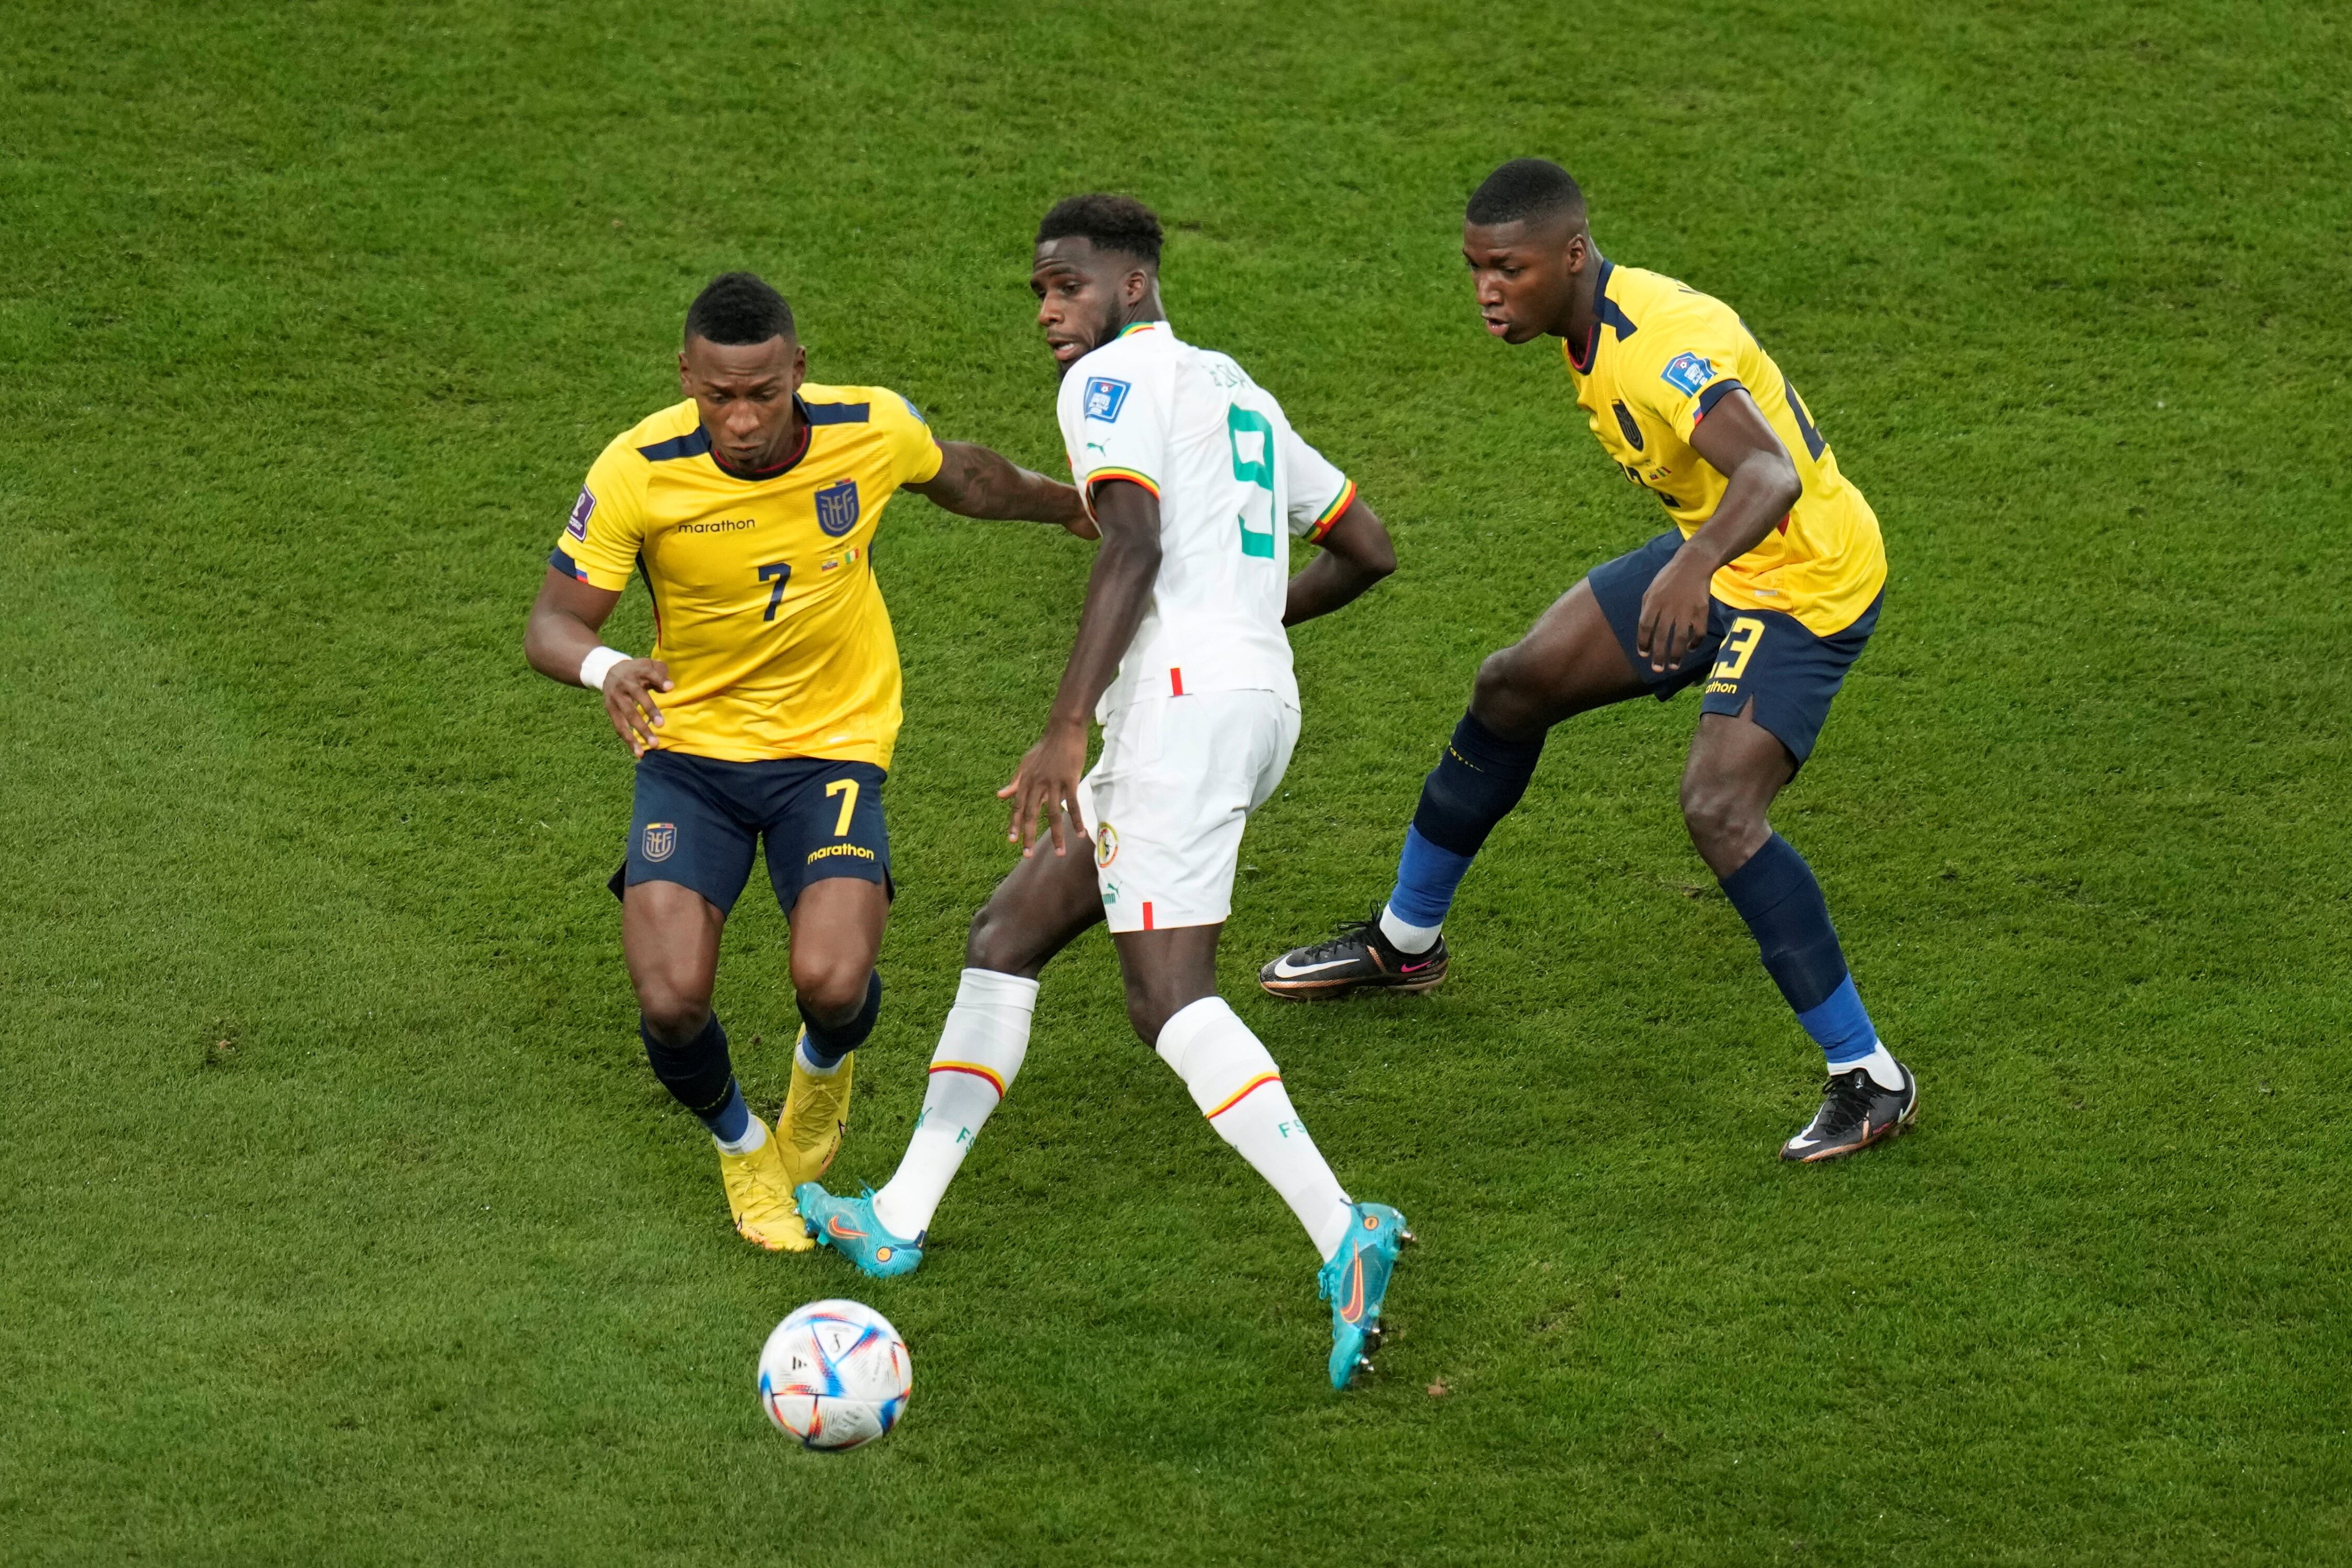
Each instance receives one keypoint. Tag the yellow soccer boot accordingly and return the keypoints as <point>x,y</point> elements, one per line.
<point>814,1119</point>
<point>760,1196</point>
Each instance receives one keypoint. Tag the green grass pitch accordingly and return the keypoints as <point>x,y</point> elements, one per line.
<point>343,1222</point>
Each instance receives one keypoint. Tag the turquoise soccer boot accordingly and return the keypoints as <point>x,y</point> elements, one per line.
<point>1356,1281</point>
<point>849,1227</point>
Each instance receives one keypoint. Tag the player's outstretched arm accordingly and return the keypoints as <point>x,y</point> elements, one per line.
<point>1739,443</point>
<point>561,639</point>
<point>1116,594</point>
<point>973,481</point>
<point>1357,554</point>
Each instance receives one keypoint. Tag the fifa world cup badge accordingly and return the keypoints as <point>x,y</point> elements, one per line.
<point>1105,396</point>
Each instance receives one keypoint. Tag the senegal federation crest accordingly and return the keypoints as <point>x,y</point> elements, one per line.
<point>661,840</point>
<point>836,507</point>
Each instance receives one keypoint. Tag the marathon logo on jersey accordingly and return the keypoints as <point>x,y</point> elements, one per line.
<point>1686,373</point>
<point>582,510</point>
<point>836,507</point>
<point>1105,399</point>
<point>661,840</point>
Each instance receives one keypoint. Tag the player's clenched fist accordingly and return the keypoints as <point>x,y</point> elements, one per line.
<point>629,689</point>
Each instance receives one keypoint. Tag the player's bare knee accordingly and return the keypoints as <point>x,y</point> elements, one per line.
<point>1494,690</point>
<point>675,1013</point>
<point>1725,821</point>
<point>832,988</point>
<point>1498,697</point>
<point>1148,1012</point>
<point>988,945</point>
<point>997,944</point>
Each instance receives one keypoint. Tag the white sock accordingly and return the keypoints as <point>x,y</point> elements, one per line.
<point>1880,1063</point>
<point>1236,1084</point>
<point>801,1056</point>
<point>1409,939</point>
<point>754,1134</point>
<point>981,1048</point>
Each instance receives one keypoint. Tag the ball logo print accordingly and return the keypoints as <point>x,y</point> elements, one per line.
<point>660,840</point>
<point>836,1374</point>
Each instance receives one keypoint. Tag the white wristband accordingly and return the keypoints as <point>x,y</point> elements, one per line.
<point>598,665</point>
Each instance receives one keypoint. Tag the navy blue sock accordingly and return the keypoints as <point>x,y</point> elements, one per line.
<point>827,1044</point>
<point>1474,786</point>
<point>1777,895</point>
<point>701,1076</point>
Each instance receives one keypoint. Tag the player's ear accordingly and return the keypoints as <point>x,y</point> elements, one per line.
<point>684,385</point>
<point>800,365</point>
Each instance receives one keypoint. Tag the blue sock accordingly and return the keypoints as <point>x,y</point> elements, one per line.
<point>825,1043</point>
<point>1426,878</point>
<point>701,1076</point>
<point>1776,894</point>
<point>1841,1027</point>
<point>732,1119</point>
<point>1475,783</point>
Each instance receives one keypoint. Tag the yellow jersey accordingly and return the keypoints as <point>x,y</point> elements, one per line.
<point>765,605</point>
<point>1661,354</point>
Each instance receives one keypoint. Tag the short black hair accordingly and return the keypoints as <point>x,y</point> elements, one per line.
<point>1113,222</point>
<point>1526,188</point>
<point>738,308</point>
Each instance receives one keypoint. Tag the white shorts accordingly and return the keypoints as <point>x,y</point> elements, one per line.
<point>1167,800</point>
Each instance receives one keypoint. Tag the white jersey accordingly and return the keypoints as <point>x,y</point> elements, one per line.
<point>1234,483</point>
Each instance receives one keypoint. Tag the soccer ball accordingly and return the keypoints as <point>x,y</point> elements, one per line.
<point>836,1374</point>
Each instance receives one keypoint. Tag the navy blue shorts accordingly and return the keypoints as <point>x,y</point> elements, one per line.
<point>698,820</point>
<point>1764,657</point>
